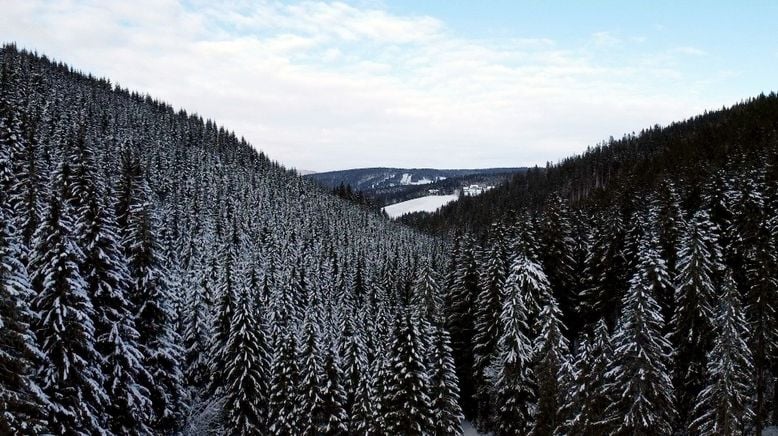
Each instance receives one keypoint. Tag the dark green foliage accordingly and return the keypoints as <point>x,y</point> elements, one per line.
<point>408,404</point>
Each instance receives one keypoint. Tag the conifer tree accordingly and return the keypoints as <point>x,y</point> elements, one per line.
<point>551,369</point>
<point>586,405</point>
<point>333,398</point>
<point>311,403</point>
<point>70,376</point>
<point>227,295</point>
<point>511,370</point>
<point>487,319</point>
<point>21,399</point>
<point>692,323</point>
<point>355,368</point>
<point>639,376</point>
<point>460,298</point>
<point>284,381</point>
<point>245,384</point>
<point>608,268</point>
<point>723,407</point>
<point>556,256</point>
<point>444,387</point>
<point>197,333</point>
<point>362,419</point>
<point>149,296</point>
<point>407,393</point>
<point>755,245</point>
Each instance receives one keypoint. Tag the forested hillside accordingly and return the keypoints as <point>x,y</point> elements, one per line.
<point>630,290</point>
<point>159,275</point>
<point>687,152</point>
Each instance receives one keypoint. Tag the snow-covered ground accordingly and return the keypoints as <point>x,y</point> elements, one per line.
<point>770,431</point>
<point>469,430</point>
<point>430,203</point>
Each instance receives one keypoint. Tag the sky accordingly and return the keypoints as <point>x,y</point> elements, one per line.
<point>321,85</point>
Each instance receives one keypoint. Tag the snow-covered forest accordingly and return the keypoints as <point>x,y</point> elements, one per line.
<point>160,276</point>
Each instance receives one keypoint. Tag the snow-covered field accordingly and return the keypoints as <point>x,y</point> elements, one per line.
<point>430,203</point>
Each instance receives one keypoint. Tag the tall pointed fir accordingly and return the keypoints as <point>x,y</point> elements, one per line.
<point>639,374</point>
<point>21,185</point>
<point>21,399</point>
<point>310,404</point>
<point>670,231</point>
<point>692,323</point>
<point>198,329</point>
<point>408,406</point>
<point>227,293</point>
<point>460,297</point>
<point>20,396</point>
<point>723,406</point>
<point>555,232</point>
<point>333,398</point>
<point>353,358</point>
<point>552,369</point>
<point>756,244</point>
<point>149,295</point>
<point>487,319</point>
<point>362,419</point>
<point>71,375</point>
<point>245,383</point>
<point>444,386</point>
<point>104,268</point>
<point>607,273</point>
<point>511,369</point>
<point>284,382</point>
<point>586,405</point>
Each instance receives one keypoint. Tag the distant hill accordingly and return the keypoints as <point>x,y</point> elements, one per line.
<point>393,185</point>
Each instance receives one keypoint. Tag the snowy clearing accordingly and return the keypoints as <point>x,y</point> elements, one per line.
<point>430,203</point>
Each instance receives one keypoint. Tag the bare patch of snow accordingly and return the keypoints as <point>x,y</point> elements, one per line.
<point>469,430</point>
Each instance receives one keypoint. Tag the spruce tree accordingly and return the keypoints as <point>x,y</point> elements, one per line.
<point>755,245</point>
<point>487,319</point>
<point>21,399</point>
<point>511,370</point>
<point>149,296</point>
<point>692,322</point>
<point>284,381</point>
<point>408,409</point>
<point>460,297</point>
<point>71,375</point>
<point>723,406</point>
<point>197,332</point>
<point>353,358</point>
<point>333,398</point>
<point>227,291</point>
<point>311,402</point>
<point>555,233</point>
<point>444,387</point>
<point>639,375</point>
<point>587,403</point>
<point>245,384</point>
<point>551,369</point>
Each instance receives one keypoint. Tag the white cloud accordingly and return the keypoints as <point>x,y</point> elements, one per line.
<point>605,39</point>
<point>326,85</point>
<point>689,51</point>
